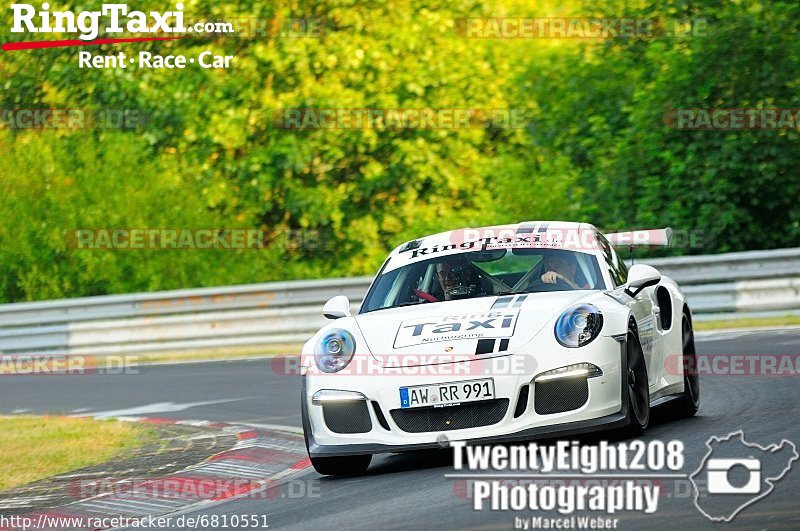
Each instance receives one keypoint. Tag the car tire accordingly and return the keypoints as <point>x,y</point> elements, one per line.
<point>637,387</point>
<point>349,465</point>
<point>686,406</point>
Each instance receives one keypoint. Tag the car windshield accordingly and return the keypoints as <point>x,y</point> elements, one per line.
<point>482,274</point>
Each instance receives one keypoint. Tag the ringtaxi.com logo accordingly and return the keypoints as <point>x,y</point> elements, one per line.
<point>111,20</point>
<point>118,18</point>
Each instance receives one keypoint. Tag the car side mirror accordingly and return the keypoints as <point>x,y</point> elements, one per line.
<point>641,276</point>
<point>338,306</point>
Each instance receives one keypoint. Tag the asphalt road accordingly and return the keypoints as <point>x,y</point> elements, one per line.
<point>410,491</point>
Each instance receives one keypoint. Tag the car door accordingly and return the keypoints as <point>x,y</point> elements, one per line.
<point>641,306</point>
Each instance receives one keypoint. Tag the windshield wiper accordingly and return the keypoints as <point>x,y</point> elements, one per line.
<point>511,292</point>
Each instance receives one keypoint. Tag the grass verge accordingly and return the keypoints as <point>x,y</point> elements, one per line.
<point>33,448</point>
<point>288,349</point>
<point>750,322</point>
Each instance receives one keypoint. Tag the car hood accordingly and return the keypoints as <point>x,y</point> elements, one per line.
<point>444,332</point>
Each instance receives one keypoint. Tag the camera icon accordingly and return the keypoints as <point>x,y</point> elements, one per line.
<point>735,474</point>
<point>719,476</point>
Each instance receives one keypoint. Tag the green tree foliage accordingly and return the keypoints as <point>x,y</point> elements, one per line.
<point>213,151</point>
<point>53,185</point>
<point>739,189</point>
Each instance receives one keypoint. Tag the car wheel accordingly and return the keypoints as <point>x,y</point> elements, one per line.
<point>687,405</point>
<point>637,387</point>
<point>349,465</point>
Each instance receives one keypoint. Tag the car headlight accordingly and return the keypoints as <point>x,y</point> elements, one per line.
<point>576,370</point>
<point>579,325</point>
<point>335,350</point>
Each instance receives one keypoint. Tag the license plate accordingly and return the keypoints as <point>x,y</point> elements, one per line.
<point>446,394</point>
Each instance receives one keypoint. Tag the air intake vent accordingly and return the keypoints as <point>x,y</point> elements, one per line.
<point>472,415</point>
<point>347,417</point>
<point>560,394</point>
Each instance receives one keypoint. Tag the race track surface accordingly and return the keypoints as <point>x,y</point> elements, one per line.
<point>410,491</point>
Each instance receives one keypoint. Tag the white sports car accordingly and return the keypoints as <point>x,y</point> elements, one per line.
<point>497,334</point>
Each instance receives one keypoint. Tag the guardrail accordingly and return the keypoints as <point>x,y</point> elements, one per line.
<point>752,282</point>
<point>737,284</point>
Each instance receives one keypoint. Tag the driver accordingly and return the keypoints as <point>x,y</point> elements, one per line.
<point>458,278</point>
<point>560,267</point>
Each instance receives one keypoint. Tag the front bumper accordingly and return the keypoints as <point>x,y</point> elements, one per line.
<point>606,407</point>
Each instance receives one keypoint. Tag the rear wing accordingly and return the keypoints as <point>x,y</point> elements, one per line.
<point>635,238</point>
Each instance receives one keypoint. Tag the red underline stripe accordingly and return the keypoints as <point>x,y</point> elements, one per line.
<point>9,46</point>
